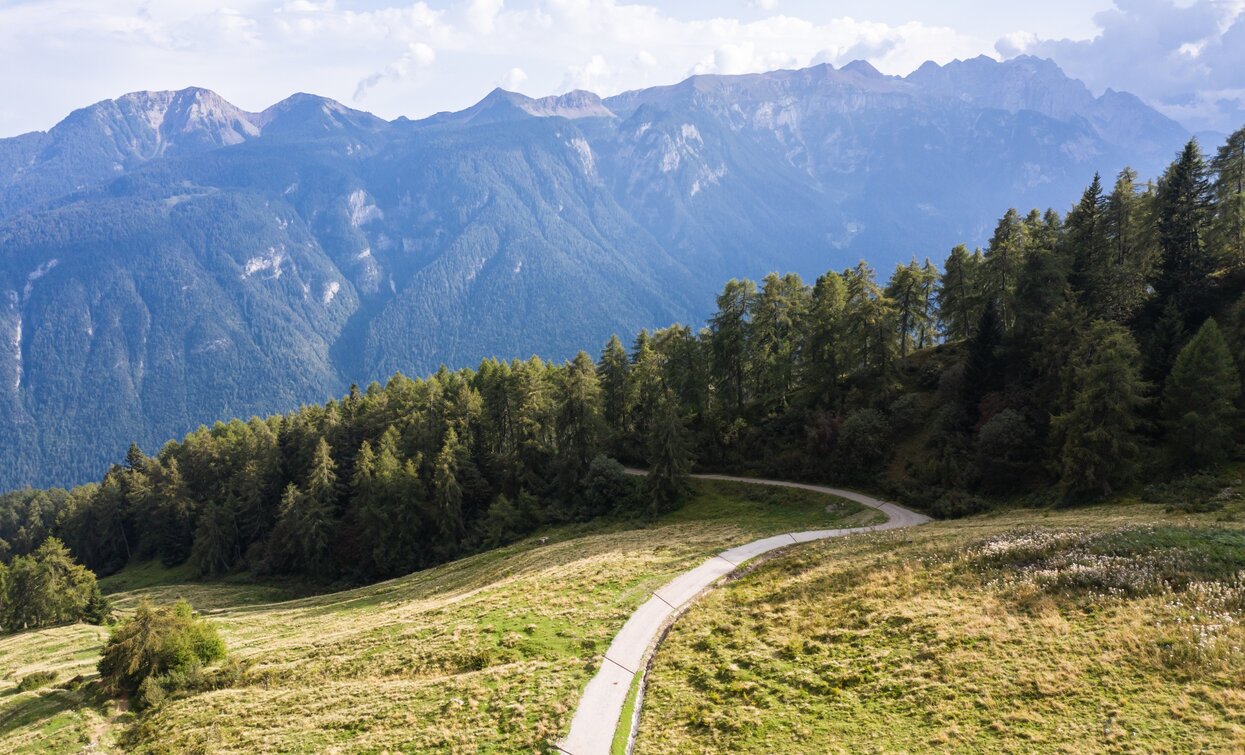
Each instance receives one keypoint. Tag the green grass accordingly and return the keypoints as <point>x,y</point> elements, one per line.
<point>485,654</point>
<point>1114,628</point>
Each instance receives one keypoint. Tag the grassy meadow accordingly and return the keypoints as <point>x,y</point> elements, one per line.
<point>484,654</point>
<point>1115,628</point>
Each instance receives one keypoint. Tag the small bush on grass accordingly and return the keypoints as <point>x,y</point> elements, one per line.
<point>158,651</point>
<point>36,680</point>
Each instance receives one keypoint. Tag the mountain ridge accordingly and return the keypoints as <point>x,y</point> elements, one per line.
<point>168,258</point>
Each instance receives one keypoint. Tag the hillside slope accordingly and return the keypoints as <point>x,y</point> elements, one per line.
<point>489,652</point>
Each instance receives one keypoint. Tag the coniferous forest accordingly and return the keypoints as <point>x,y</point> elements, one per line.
<point>1074,357</point>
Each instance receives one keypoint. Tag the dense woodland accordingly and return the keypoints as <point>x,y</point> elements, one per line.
<point>1075,356</point>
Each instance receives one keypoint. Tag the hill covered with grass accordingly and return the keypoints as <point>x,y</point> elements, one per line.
<point>1112,628</point>
<point>489,652</point>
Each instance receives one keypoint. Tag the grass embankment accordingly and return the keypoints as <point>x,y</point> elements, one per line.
<point>487,653</point>
<point>1112,628</point>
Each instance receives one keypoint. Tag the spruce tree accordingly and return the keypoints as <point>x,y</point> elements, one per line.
<point>960,296</point>
<point>669,457</point>
<point>1228,226</point>
<point>612,372</point>
<point>1097,437</point>
<point>1199,400</point>
<point>822,340</point>
<point>1087,239</point>
<point>729,339</point>
<point>579,422</point>
<point>1182,207</point>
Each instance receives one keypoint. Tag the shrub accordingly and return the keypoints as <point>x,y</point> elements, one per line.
<point>172,642</point>
<point>862,445</point>
<point>36,680</point>
<point>1004,445</point>
<point>906,412</point>
<point>608,488</point>
<point>955,504</point>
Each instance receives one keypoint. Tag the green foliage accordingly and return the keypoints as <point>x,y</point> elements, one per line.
<point>1199,400</point>
<point>1097,437</point>
<point>47,588</point>
<point>154,652</point>
<point>863,444</point>
<point>37,680</point>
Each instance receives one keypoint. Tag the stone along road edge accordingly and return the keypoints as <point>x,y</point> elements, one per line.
<point>596,718</point>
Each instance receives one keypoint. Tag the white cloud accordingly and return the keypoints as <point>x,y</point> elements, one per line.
<point>417,56</point>
<point>381,52</point>
<point>1186,58</point>
<point>513,79</point>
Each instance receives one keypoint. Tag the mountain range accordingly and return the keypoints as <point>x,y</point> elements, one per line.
<point>167,259</point>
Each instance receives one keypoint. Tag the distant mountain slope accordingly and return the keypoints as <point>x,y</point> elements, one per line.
<point>167,258</point>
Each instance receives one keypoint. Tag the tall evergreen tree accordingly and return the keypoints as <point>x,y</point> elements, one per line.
<point>777,313</point>
<point>1003,260</point>
<point>612,372</point>
<point>1086,238</point>
<point>729,340</point>
<point>1098,436</point>
<point>960,293</point>
<point>579,424</point>
<point>1121,285</point>
<point>1228,229</point>
<point>1199,400</point>
<point>669,457</point>
<point>822,347</point>
<point>1182,207</point>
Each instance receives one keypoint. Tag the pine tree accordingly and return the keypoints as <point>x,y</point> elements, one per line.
<point>1228,225</point>
<point>960,296</point>
<point>1182,207</point>
<point>1087,240</point>
<point>447,492</point>
<point>983,368</point>
<point>669,457</point>
<point>612,371</point>
<point>868,322</point>
<point>1121,285</point>
<point>1003,260</point>
<point>729,340</point>
<point>822,346</point>
<point>1199,400</point>
<point>1097,437</point>
<point>906,290</point>
<point>777,313</point>
<point>579,423</point>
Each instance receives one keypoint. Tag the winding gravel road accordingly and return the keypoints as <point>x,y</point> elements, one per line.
<point>596,719</point>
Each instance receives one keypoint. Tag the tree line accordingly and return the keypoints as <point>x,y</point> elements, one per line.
<point>1074,355</point>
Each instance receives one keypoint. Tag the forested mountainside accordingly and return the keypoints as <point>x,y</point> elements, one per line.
<point>1084,354</point>
<point>167,258</point>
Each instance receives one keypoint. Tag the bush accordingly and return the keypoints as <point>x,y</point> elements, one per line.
<point>906,412</point>
<point>158,647</point>
<point>956,504</point>
<point>862,445</point>
<point>608,488</point>
<point>1004,445</point>
<point>36,680</point>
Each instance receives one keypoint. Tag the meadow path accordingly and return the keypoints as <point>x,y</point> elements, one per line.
<point>597,717</point>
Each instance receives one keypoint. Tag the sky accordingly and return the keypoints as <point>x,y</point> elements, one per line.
<point>397,57</point>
